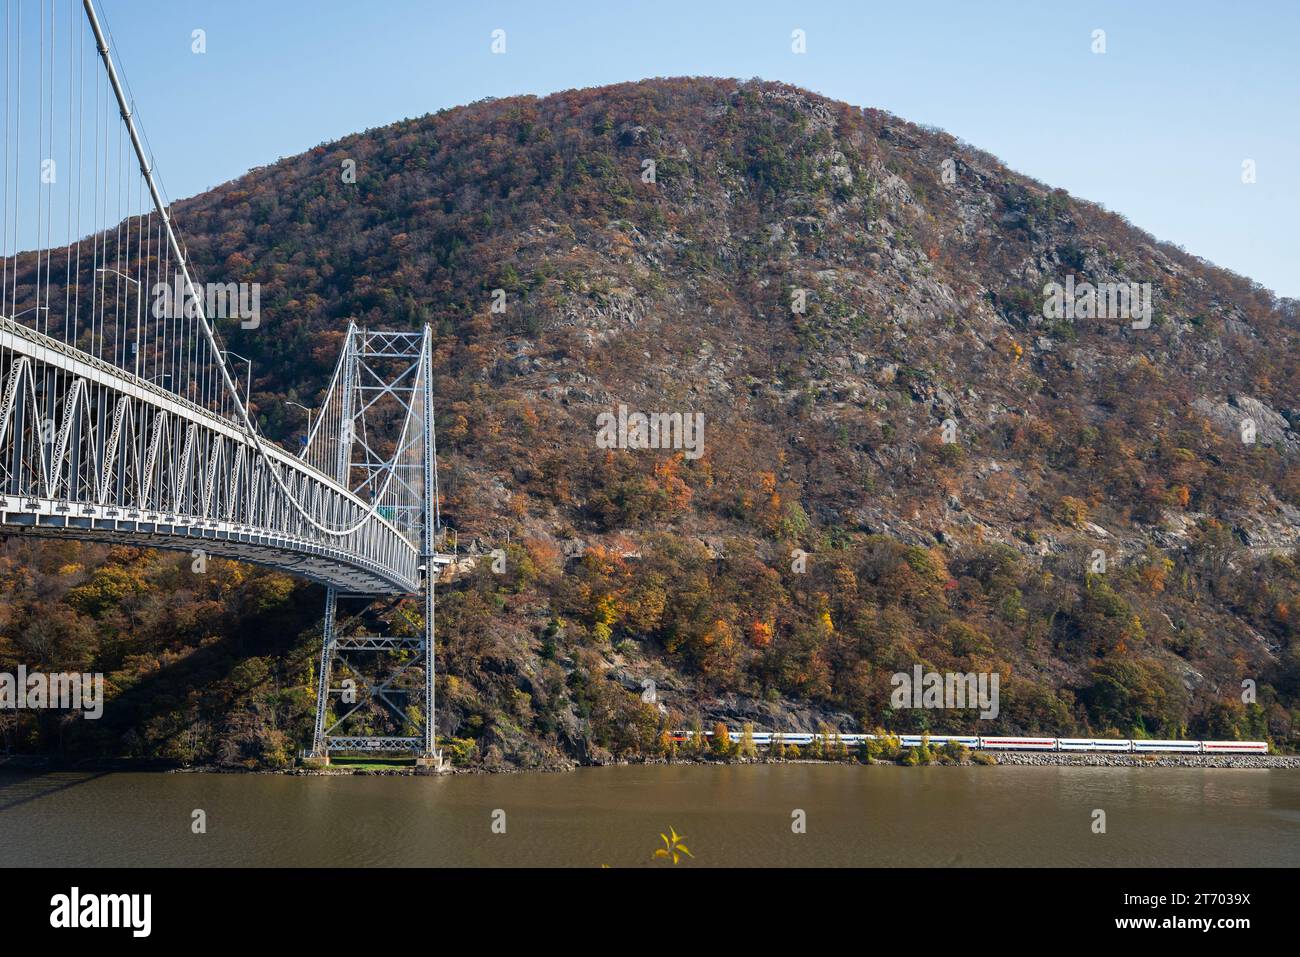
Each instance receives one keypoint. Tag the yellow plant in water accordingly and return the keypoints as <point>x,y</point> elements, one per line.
<point>673,848</point>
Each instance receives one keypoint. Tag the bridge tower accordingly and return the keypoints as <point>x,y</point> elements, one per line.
<point>376,437</point>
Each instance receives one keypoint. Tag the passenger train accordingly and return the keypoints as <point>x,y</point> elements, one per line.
<point>981,743</point>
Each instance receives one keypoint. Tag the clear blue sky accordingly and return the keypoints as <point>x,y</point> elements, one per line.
<point>1156,128</point>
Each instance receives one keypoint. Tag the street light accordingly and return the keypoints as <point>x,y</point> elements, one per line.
<point>36,309</point>
<point>308,411</point>
<point>248,386</point>
<point>139,301</point>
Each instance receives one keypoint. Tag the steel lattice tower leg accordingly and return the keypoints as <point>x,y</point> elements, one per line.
<point>318,747</point>
<point>428,548</point>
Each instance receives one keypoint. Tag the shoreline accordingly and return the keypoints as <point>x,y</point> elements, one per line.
<point>1004,759</point>
<point>1057,759</point>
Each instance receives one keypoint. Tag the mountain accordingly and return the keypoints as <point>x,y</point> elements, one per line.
<point>912,453</point>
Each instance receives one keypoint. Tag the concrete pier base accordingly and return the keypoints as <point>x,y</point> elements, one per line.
<point>433,761</point>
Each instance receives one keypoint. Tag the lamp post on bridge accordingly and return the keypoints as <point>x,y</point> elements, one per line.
<point>139,302</point>
<point>248,385</point>
<point>308,411</point>
<point>36,309</point>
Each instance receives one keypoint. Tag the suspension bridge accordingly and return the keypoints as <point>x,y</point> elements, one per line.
<point>122,420</point>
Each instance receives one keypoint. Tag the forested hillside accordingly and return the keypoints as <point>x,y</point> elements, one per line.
<point>828,286</point>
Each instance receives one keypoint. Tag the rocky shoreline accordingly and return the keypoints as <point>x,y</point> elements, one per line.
<point>1008,758</point>
<point>1041,759</point>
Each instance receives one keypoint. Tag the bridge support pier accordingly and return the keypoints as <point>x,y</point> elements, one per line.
<point>372,657</point>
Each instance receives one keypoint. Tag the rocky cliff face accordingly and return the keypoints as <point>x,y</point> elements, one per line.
<point>1097,498</point>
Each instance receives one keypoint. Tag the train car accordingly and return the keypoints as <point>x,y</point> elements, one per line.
<point>802,739</point>
<point>937,740</point>
<point>1018,744</point>
<point>786,737</point>
<point>1234,747</point>
<point>1181,747</point>
<point>1095,744</point>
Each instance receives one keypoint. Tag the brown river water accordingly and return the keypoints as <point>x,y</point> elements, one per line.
<point>727,815</point>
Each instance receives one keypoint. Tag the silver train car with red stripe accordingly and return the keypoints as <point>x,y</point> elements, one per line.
<point>765,739</point>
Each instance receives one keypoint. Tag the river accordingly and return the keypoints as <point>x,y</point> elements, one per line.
<point>727,815</point>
